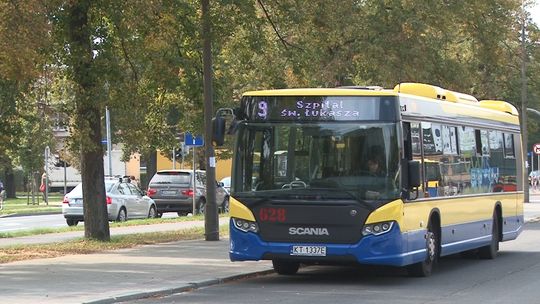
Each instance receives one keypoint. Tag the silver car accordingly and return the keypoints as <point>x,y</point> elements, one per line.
<point>124,201</point>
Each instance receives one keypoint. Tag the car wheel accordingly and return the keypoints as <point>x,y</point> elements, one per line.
<point>122,215</point>
<point>72,222</point>
<point>152,212</point>
<point>202,206</point>
<point>225,205</point>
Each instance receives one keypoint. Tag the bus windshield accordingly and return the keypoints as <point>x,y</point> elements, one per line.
<point>326,159</point>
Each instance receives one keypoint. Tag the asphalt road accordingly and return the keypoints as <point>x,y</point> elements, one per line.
<point>18,223</point>
<point>513,277</point>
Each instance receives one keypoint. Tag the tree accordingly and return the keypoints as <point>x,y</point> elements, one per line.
<point>23,44</point>
<point>77,33</point>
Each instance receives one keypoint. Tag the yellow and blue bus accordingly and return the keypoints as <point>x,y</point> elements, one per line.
<point>302,191</point>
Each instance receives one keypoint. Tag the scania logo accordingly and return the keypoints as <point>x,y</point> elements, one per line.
<point>308,231</point>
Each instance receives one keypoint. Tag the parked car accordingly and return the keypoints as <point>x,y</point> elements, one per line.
<point>506,184</point>
<point>226,184</point>
<point>124,201</point>
<point>173,191</point>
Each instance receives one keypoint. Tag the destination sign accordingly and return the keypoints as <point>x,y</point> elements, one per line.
<point>332,108</point>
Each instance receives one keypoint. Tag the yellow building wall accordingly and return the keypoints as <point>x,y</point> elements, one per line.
<point>223,166</point>
<point>133,166</point>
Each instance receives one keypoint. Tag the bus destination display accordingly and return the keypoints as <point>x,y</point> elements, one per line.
<point>316,108</point>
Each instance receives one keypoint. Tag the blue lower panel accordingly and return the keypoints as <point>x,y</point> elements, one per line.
<point>462,237</point>
<point>392,248</point>
<point>386,249</point>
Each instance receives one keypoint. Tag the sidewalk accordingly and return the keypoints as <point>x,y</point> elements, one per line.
<point>121,275</point>
<point>129,274</point>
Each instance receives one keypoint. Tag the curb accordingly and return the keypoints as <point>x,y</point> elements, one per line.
<point>30,214</point>
<point>181,289</point>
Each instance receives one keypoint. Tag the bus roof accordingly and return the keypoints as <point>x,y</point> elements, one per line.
<point>442,100</point>
<point>324,92</point>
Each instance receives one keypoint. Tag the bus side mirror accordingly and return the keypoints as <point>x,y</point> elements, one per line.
<point>218,130</point>
<point>218,125</point>
<point>413,174</point>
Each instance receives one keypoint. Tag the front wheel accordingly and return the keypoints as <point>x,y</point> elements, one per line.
<point>425,268</point>
<point>285,267</point>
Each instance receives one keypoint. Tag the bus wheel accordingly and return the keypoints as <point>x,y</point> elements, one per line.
<point>285,267</point>
<point>424,268</point>
<point>489,252</point>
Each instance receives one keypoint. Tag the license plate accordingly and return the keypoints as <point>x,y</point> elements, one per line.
<point>308,250</point>
<point>77,201</point>
<point>168,192</point>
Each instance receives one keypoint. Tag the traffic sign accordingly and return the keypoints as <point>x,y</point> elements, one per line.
<point>536,149</point>
<point>194,141</point>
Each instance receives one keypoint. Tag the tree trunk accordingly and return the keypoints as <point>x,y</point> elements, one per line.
<point>9,182</point>
<point>151,166</point>
<point>88,118</point>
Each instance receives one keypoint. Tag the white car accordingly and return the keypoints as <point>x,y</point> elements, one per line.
<point>226,184</point>
<point>124,201</point>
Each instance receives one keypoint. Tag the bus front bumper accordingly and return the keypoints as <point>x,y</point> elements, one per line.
<point>386,249</point>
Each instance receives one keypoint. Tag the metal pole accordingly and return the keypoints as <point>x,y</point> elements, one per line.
<point>194,183</point>
<point>46,194</point>
<point>211,220</point>
<point>65,178</point>
<point>524,103</point>
<point>532,161</point>
<point>174,158</point>
<point>109,144</point>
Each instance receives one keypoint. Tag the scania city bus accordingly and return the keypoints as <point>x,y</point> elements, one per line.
<point>303,190</point>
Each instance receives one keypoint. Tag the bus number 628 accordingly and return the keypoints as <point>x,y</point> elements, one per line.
<point>272,214</point>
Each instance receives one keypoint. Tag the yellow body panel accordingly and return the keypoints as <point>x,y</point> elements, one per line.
<point>392,211</point>
<point>486,113</point>
<point>457,210</point>
<point>499,105</point>
<point>238,210</point>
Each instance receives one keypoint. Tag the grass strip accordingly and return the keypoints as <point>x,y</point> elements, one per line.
<point>81,246</point>
<point>138,222</point>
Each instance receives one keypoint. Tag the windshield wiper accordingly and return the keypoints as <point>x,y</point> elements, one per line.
<point>350,193</point>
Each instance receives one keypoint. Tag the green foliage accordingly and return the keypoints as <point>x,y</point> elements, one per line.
<point>147,57</point>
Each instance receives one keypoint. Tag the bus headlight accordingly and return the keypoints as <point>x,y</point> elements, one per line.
<point>245,225</point>
<point>377,228</point>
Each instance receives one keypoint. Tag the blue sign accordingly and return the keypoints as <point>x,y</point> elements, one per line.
<point>194,141</point>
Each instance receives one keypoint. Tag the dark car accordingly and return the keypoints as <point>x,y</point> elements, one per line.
<point>173,191</point>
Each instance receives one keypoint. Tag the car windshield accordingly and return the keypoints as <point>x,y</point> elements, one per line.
<point>226,182</point>
<point>336,159</point>
<point>171,177</point>
<point>77,191</point>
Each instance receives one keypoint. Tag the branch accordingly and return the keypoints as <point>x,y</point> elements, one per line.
<point>283,41</point>
<point>126,55</point>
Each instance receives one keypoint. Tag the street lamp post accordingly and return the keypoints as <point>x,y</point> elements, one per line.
<point>109,144</point>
